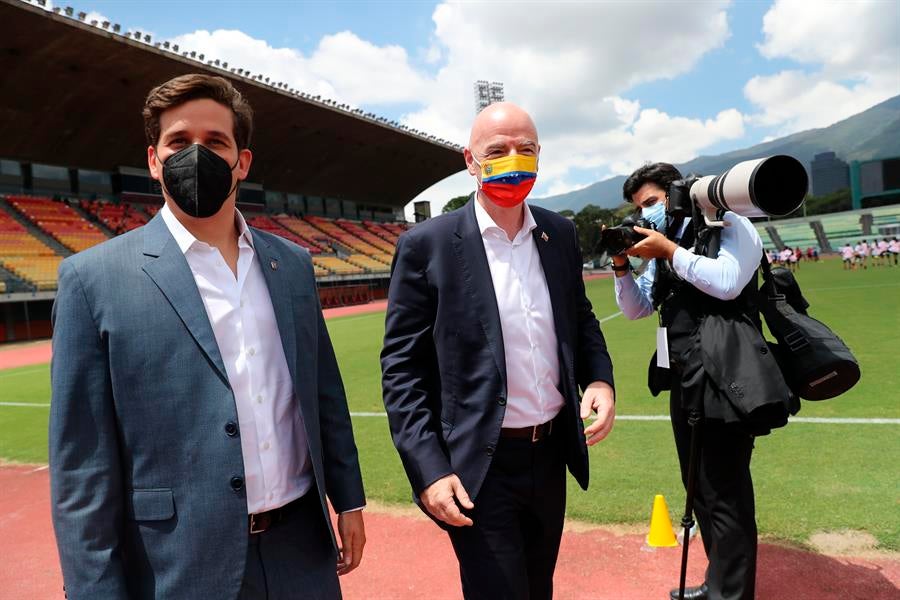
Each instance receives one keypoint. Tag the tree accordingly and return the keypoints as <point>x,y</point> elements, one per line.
<point>455,203</point>
<point>567,213</point>
<point>587,224</point>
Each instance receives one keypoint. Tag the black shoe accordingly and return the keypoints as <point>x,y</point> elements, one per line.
<point>700,592</point>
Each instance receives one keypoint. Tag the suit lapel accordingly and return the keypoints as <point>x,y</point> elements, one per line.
<point>276,276</point>
<point>548,241</point>
<point>172,274</point>
<point>469,248</point>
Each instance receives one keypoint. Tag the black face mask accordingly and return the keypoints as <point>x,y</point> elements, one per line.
<point>198,180</point>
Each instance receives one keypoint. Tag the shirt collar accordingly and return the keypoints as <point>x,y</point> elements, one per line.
<point>185,239</point>
<point>486,223</point>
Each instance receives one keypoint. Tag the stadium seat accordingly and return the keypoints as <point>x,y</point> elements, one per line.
<point>312,237</point>
<point>368,263</point>
<point>842,228</point>
<point>339,246</point>
<point>336,266</point>
<point>268,224</point>
<point>60,221</point>
<point>118,218</point>
<point>26,256</point>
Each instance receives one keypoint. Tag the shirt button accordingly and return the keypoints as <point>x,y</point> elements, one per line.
<point>251,351</point>
<point>242,304</point>
<point>237,483</point>
<point>501,401</point>
<point>231,428</point>
<point>265,446</point>
<point>489,450</point>
<point>259,399</point>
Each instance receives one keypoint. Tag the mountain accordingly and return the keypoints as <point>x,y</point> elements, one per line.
<point>873,133</point>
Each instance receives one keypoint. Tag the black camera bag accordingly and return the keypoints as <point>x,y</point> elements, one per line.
<point>815,362</point>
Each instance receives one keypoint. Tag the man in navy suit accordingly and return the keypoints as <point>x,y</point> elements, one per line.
<point>488,338</point>
<point>198,419</point>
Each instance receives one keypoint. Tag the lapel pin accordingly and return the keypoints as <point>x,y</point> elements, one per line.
<point>274,265</point>
<point>544,236</point>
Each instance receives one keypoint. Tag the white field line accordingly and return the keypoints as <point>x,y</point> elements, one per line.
<point>814,420</point>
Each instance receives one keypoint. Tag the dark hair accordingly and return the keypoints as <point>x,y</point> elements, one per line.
<point>196,86</point>
<point>662,174</point>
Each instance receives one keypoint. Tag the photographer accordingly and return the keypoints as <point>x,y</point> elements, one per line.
<point>685,286</point>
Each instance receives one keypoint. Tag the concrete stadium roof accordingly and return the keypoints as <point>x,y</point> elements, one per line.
<point>71,94</point>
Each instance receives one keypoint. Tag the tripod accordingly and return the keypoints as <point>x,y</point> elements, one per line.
<point>687,521</point>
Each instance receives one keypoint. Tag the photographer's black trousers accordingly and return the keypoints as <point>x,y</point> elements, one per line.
<point>724,504</point>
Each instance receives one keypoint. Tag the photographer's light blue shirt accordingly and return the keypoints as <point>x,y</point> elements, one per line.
<point>722,277</point>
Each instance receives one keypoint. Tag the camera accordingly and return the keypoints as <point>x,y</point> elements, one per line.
<point>616,240</point>
<point>772,186</point>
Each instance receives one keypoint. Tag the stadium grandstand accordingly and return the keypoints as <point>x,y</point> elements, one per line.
<point>828,232</point>
<point>327,176</point>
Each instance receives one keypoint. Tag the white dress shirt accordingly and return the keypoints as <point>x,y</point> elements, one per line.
<point>526,320</point>
<point>723,277</point>
<point>273,441</point>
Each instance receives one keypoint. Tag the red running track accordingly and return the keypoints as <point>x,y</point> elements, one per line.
<point>408,557</point>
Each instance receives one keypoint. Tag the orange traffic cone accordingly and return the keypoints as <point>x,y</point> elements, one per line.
<point>661,534</point>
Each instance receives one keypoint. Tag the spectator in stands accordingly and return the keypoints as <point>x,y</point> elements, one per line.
<point>847,255</point>
<point>198,420</point>
<point>488,332</point>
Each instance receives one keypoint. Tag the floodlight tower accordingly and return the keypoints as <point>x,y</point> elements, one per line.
<point>487,93</point>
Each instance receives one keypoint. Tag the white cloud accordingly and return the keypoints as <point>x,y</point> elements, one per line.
<point>650,135</point>
<point>95,16</point>
<point>570,68</point>
<point>343,67</point>
<point>851,55</point>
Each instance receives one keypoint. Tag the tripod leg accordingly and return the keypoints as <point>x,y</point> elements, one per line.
<point>687,521</point>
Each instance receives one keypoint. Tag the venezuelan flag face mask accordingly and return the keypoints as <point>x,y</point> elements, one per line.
<point>508,180</point>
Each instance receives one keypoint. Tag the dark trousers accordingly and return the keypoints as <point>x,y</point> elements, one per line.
<point>723,502</point>
<point>293,559</point>
<point>510,551</point>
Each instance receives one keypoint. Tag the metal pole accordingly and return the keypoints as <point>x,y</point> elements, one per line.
<point>687,521</point>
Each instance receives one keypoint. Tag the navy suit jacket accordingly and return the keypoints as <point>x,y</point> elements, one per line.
<point>443,362</point>
<point>146,471</point>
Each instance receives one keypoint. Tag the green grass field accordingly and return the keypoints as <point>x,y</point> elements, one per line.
<point>808,477</point>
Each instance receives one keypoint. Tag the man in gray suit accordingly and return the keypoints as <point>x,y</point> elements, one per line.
<point>198,418</point>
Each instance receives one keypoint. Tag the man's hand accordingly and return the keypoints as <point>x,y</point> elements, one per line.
<point>656,245</point>
<point>440,500</point>
<point>599,397</point>
<point>352,532</point>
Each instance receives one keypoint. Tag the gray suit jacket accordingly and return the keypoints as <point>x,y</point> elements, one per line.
<point>146,484</point>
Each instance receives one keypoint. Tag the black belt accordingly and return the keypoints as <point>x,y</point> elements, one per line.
<point>535,433</point>
<point>262,522</point>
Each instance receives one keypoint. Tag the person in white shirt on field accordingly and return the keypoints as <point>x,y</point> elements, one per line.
<point>847,255</point>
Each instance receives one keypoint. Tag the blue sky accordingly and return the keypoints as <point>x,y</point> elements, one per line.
<point>610,84</point>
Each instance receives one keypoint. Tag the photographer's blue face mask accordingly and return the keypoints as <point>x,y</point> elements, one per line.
<point>656,214</point>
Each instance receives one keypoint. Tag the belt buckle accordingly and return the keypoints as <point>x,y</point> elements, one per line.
<point>253,525</point>
<point>534,431</point>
